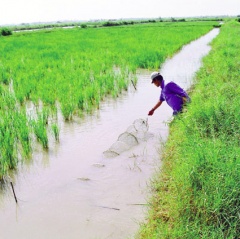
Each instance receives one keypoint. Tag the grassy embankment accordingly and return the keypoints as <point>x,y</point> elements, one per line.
<point>73,69</point>
<point>197,191</point>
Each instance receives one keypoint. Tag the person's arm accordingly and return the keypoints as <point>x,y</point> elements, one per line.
<point>155,107</point>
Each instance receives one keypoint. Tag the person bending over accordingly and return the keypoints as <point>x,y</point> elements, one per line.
<point>172,93</point>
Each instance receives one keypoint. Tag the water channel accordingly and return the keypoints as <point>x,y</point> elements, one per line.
<point>73,191</point>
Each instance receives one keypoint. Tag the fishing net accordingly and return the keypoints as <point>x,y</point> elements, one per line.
<point>130,138</point>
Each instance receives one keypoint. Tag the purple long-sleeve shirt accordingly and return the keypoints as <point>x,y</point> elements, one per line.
<point>172,94</point>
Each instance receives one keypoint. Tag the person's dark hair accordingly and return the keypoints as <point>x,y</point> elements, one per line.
<point>159,78</point>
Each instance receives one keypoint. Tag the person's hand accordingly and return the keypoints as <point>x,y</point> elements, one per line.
<point>151,112</point>
<point>184,99</point>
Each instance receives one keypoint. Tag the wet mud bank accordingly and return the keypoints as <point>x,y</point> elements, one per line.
<point>73,191</point>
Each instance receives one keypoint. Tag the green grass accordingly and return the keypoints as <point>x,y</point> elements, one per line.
<point>73,70</point>
<point>196,193</point>
<point>56,65</point>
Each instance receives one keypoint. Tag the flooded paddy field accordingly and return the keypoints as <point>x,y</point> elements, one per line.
<point>73,190</point>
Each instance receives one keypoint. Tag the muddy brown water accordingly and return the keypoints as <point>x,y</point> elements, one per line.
<point>73,191</point>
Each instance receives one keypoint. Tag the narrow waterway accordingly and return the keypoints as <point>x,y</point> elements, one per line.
<point>73,191</point>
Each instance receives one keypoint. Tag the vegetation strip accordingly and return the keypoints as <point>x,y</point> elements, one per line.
<point>196,192</point>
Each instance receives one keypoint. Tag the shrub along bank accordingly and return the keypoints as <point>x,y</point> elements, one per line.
<point>197,191</point>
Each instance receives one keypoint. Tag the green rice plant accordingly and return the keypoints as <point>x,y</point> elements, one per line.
<point>23,134</point>
<point>14,132</point>
<point>67,110</point>
<point>53,53</point>
<point>8,149</point>
<point>40,129</point>
<point>55,130</point>
<point>76,69</point>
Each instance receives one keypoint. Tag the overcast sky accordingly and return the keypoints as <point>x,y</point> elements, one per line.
<point>28,11</point>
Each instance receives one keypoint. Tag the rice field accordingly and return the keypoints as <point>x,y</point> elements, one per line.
<point>71,71</point>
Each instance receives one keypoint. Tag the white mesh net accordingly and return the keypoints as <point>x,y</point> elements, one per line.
<point>131,137</point>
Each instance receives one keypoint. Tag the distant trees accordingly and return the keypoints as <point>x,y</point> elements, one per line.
<point>83,25</point>
<point>178,20</point>
<point>114,23</point>
<point>5,32</point>
<point>120,23</point>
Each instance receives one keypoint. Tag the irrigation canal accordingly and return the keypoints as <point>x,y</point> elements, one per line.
<point>73,191</point>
